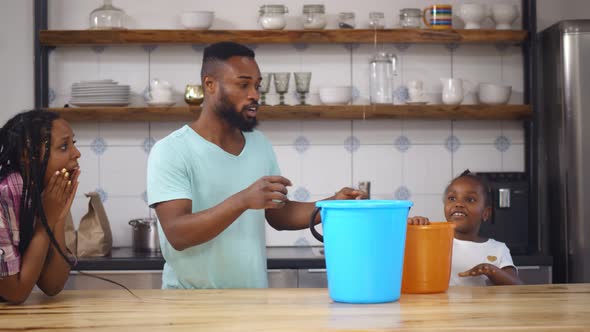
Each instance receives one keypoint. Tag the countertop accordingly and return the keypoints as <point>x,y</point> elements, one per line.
<point>500,308</point>
<point>278,258</point>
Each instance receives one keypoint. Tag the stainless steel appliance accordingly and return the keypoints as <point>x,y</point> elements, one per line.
<point>509,222</point>
<point>563,121</point>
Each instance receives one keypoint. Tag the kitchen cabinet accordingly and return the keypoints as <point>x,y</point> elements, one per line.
<point>536,274</point>
<point>312,278</point>
<point>49,38</point>
<point>146,279</point>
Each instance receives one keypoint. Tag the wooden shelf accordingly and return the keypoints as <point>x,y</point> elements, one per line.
<point>346,112</point>
<point>107,37</point>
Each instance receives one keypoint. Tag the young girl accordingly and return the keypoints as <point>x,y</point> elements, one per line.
<point>477,261</point>
<point>38,181</point>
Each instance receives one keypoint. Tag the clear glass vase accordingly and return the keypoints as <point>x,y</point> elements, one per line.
<point>107,17</point>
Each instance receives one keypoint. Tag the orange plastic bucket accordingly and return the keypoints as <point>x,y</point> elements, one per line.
<point>427,258</point>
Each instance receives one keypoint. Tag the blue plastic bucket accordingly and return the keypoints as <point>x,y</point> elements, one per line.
<point>364,244</point>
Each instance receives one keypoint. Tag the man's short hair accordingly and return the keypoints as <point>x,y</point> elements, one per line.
<point>220,52</point>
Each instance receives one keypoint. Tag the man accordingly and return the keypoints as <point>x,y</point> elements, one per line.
<point>214,181</point>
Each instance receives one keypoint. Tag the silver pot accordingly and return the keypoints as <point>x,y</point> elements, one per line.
<point>145,235</point>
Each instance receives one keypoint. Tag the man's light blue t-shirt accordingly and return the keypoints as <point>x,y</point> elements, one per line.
<point>184,165</point>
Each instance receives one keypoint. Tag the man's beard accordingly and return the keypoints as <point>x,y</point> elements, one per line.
<point>237,120</point>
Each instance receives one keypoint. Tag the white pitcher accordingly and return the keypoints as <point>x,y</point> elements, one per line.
<point>452,93</point>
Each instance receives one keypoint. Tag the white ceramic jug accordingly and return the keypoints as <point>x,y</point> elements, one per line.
<point>452,93</point>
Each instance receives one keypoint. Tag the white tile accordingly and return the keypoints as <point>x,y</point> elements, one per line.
<point>380,164</point>
<point>426,132</point>
<point>68,65</point>
<point>125,64</point>
<point>383,131</point>
<point>477,158</point>
<point>79,209</point>
<point>120,210</point>
<point>512,73</point>
<point>514,130</point>
<point>329,64</point>
<point>288,238</point>
<point>281,132</point>
<point>361,57</point>
<point>290,164</point>
<point>326,132</point>
<point>178,64</point>
<point>326,169</point>
<point>123,171</point>
<point>430,206</point>
<point>84,132</point>
<point>159,130</point>
<point>124,133</point>
<point>427,168</point>
<point>476,64</point>
<point>428,63</point>
<point>477,132</point>
<point>89,167</point>
<point>513,160</point>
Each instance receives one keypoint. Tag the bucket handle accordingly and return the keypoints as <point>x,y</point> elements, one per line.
<point>315,233</point>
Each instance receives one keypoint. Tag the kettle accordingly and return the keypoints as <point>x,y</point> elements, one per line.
<point>382,70</point>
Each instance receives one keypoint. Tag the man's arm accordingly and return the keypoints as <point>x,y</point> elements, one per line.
<point>185,229</point>
<point>296,215</point>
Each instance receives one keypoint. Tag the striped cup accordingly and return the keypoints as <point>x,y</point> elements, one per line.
<point>441,17</point>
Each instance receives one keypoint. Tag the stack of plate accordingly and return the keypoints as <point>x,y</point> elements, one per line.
<point>99,93</point>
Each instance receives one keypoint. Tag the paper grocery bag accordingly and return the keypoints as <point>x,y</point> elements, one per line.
<point>94,232</point>
<point>71,235</point>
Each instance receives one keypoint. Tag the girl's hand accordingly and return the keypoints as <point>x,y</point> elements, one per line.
<point>480,269</point>
<point>59,195</point>
<point>417,220</point>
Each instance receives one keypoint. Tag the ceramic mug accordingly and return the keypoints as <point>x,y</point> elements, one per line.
<point>441,17</point>
<point>416,91</point>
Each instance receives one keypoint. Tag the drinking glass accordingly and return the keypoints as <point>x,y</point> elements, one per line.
<point>264,87</point>
<point>302,85</point>
<point>281,85</point>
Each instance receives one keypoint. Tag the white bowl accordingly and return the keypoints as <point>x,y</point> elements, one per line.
<point>201,20</point>
<point>494,94</point>
<point>338,95</point>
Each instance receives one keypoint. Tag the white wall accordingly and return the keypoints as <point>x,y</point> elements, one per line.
<point>552,11</point>
<point>410,159</point>
<point>16,57</point>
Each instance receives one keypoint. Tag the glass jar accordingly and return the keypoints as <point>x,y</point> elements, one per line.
<point>376,20</point>
<point>272,17</point>
<point>410,18</point>
<point>314,17</point>
<point>107,17</point>
<point>346,20</point>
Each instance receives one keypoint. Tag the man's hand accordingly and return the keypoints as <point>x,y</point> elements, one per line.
<point>350,193</point>
<point>269,192</point>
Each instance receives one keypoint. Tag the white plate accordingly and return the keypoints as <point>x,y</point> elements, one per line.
<point>84,104</point>
<point>161,103</point>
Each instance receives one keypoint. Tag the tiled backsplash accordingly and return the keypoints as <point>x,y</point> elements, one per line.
<point>404,159</point>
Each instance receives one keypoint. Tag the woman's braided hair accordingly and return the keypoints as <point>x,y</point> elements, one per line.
<point>25,142</point>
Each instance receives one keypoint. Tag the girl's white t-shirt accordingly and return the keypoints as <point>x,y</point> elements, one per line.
<point>468,254</point>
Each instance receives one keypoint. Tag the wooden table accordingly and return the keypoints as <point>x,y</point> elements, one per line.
<point>509,308</point>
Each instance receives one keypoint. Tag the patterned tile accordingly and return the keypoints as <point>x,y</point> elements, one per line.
<point>104,196</point>
<point>352,144</point>
<point>453,143</point>
<point>98,146</point>
<point>402,143</point>
<point>402,193</point>
<point>301,194</point>
<point>301,144</point>
<point>502,143</point>
<point>148,144</point>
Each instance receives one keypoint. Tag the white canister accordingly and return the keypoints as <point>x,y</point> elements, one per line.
<point>272,17</point>
<point>314,17</point>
